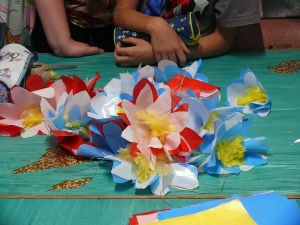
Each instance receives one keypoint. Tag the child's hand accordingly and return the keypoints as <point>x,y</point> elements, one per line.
<point>76,49</point>
<point>166,43</point>
<point>140,52</point>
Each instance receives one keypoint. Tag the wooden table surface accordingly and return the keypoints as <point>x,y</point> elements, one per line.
<point>26,198</point>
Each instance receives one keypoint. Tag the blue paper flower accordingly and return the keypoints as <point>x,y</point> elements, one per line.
<point>167,69</point>
<point>106,138</point>
<point>70,113</point>
<point>231,150</point>
<point>109,145</point>
<point>248,95</point>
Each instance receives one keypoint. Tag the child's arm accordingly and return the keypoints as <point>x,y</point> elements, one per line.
<point>213,44</point>
<point>55,24</point>
<point>165,42</point>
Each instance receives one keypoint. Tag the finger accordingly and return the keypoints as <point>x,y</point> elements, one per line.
<point>181,58</point>
<point>94,50</point>
<point>158,57</point>
<point>131,41</point>
<point>172,57</point>
<point>118,45</point>
<point>86,50</point>
<point>184,47</point>
<point>123,60</point>
<point>123,51</point>
<point>164,56</point>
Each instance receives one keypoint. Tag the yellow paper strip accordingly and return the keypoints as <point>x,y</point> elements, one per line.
<point>230,213</point>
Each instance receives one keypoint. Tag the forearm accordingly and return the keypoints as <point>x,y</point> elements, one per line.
<point>214,44</point>
<point>137,21</point>
<point>55,24</point>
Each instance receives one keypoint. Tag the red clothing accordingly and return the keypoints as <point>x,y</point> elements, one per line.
<point>76,11</point>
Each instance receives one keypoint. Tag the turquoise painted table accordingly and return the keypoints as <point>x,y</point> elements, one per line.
<point>26,198</point>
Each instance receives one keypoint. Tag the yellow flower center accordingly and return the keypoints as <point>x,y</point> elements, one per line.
<point>144,171</point>
<point>76,125</point>
<point>209,126</point>
<point>231,151</point>
<point>32,117</point>
<point>159,125</point>
<point>254,93</point>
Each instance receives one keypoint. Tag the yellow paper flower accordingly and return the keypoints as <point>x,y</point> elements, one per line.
<point>254,94</point>
<point>32,117</point>
<point>231,151</point>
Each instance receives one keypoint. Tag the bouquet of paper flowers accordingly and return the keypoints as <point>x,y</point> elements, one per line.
<point>154,123</point>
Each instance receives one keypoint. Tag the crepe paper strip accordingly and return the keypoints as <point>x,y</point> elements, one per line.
<point>181,83</point>
<point>267,208</point>
<point>136,219</point>
<point>272,209</point>
<point>192,209</point>
<point>229,213</point>
<point>34,82</point>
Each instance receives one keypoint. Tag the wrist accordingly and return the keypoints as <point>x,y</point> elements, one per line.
<point>153,24</point>
<point>60,48</point>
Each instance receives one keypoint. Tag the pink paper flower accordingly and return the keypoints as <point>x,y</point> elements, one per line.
<point>156,125</point>
<point>25,111</point>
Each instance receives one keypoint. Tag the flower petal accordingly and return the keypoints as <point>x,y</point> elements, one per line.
<point>45,92</point>
<point>185,176</point>
<point>139,185</point>
<point>125,170</point>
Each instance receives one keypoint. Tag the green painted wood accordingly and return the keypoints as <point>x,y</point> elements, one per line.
<point>74,211</point>
<point>281,127</point>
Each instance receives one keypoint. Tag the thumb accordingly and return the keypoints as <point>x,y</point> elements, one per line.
<point>93,51</point>
<point>131,40</point>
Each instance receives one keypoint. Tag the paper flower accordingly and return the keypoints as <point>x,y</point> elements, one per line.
<point>66,116</point>
<point>106,139</point>
<point>170,69</point>
<point>9,130</point>
<point>70,113</point>
<point>25,111</point>
<point>105,104</point>
<point>108,144</point>
<point>76,85</point>
<point>248,95</point>
<point>155,126</point>
<point>164,174</point>
<point>231,150</point>
<point>208,130</point>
